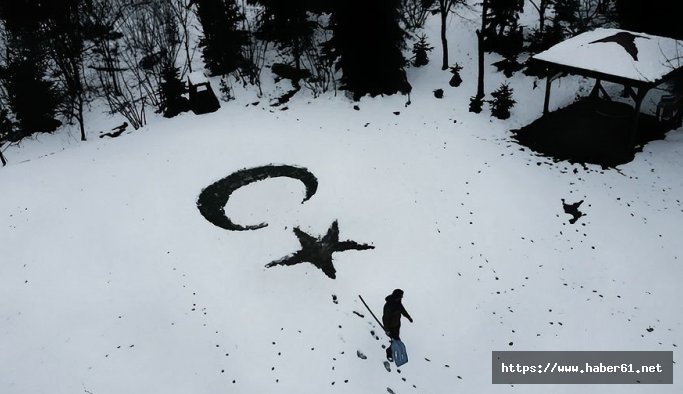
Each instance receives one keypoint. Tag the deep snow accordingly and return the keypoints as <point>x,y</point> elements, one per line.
<point>112,281</point>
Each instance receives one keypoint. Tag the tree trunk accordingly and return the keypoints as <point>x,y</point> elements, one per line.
<point>444,40</point>
<point>480,44</point>
<point>187,51</point>
<point>2,157</point>
<point>480,78</point>
<point>186,34</point>
<point>541,19</point>
<point>81,122</point>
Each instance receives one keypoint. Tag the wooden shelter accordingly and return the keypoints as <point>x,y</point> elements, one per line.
<point>638,61</point>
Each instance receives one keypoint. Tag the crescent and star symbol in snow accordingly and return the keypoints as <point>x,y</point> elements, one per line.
<point>315,250</point>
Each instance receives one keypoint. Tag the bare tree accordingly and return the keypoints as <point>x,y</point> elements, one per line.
<point>541,7</point>
<point>480,42</point>
<point>445,8</point>
<point>181,9</point>
<point>415,13</point>
<point>68,50</point>
<point>5,130</point>
<point>148,49</point>
<point>578,16</point>
<point>5,122</point>
<point>254,51</point>
<point>323,76</point>
<point>591,14</point>
<point>477,101</point>
<point>141,52</point>
<point>117,45</point>
<point>100,21</point>
<point>129,101</point>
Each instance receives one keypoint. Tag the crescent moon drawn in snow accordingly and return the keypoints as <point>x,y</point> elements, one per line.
<point>212,199</point>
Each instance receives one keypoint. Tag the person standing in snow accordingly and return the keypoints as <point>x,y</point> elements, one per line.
<point>391,317</point>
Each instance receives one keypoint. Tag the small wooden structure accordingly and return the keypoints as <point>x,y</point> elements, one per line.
<point>202,97</point>
<point>670,108</point>
<point>637,61</point>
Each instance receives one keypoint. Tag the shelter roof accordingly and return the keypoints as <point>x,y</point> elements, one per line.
<point>619,55</point>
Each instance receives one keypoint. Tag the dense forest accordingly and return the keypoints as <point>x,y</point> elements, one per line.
<point>57,57</point>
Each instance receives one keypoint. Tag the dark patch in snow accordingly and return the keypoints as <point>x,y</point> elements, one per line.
<point>438,93</point>
<point>285,97</point>
<point>116,131</point>
<point>285,71</point>
<point>626,40</point>
<point>212,199</point>
<point>508,66</point>
<point>318,251</point>
<point>590,131</point>
<point>573,209</point>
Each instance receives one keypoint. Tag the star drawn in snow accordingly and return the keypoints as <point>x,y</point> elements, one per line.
<point>318,251</point>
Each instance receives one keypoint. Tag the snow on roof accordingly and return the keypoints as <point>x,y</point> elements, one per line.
<point>635,56</point>
<point>197,77</point>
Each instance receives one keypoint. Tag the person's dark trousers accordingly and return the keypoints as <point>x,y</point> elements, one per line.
<point>393,334</point>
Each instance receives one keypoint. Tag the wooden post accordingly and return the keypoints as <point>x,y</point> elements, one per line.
<point>595,93</point>
<point>548,81</point>
<point>546,102</point>
<point>605,95</point>
<point>639,96</point>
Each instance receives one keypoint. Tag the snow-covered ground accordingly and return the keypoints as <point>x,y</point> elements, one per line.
<point>111,281</point>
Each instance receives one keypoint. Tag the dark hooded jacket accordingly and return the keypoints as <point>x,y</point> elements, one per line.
<point>393,309</point>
